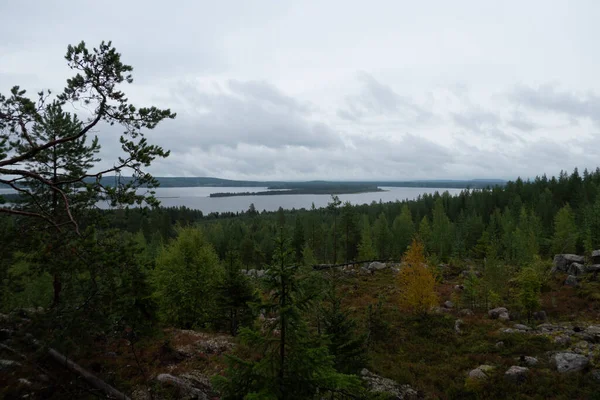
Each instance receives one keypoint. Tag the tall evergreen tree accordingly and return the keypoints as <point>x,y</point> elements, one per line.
<point>293,363</point>
<point>566,232</point>
<point>403,230</point>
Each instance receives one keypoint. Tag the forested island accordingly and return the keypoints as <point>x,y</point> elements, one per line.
<point>492,293</point>
<point>325,188</point>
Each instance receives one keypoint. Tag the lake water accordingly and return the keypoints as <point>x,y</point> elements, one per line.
<point>198,198</point>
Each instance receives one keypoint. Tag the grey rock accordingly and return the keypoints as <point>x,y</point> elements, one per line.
<point>457,324</point>
<point>529,361</point>
<point>521,327</point>
<point>576,269</point>
<point>593,268</point>
<point>376,266</point>
<point>466,312</point>
<point>499,345</point>
<point>563,261</point>
<point>495,313</point>
<point>185,386</point>
<point>477,374</point>
<point>459,288</point>
<point>481,372</point>
<point>571,280</point>
<point>540,315</point>
<point>562,340</point>
<point>595,375</point>
<point>24,382</point>
<point>594,333</point>
<point>596,257</point>
<point>448,304</point>
<point>8,364</point>
<point>516,374</point>
<point>395,270</point>
<point>508,330</point>
<point>569,362</point>
<point>504,317</point>
<point>379,384</point>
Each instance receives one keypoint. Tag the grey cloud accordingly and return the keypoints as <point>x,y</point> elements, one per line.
<point>376,99</point>
<point>246,112</point>
<point>548,98</point>
<point>521,122</point>
<point>481,122</point>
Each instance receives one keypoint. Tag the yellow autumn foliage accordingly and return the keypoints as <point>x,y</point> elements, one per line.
<point>416,281</point>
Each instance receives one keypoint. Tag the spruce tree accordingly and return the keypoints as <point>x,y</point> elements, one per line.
<point>566,233</point>
<point>288,361</point>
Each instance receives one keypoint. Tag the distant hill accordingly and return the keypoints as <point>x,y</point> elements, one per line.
<point>218,182</point>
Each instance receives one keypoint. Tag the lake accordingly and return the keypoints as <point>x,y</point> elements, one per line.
<point>198,198</point>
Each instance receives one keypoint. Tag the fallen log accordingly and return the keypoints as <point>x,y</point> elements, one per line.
<point>87,376</point>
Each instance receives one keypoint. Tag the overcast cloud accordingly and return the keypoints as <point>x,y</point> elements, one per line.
<point>337,89</point>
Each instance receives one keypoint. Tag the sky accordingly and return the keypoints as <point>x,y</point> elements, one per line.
<point>352,90</point>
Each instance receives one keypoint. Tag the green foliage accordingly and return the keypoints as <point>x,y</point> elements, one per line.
<point>186,278</point>
<point>23,286</point>
<point>403,230</point>
<point>382,237</point>
<point>366,250</point>
<point>530,285</point>
<point>234,294</point>
<point>566,232</point>
<point>292,363</point>
<point>346,344</point>
<point>441,231</point>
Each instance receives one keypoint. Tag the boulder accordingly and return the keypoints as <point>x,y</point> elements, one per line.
<point>481,372</point>
<point>594,332</point>
<point>379,384</point>
<point>571,280</point>
<point>477,374</point>
<point>521,327</point>
<point>499,345</point>
<point>448,304</point>
<point>562,340</point>
<point>576,269</point>
<point>495,313</point>
<point>529,361</point>
<point>569,362</point>
<point>540,315</point>
<point>8,364</point>
<point>563,261</point>
<point>516,374</point>
<point>185,386</point>
<point>459,288</point>
<point>596,257</point>
<point>593,268</point>
<point>376,266</point>
<point>504,317</point>
<point>466,312</point>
